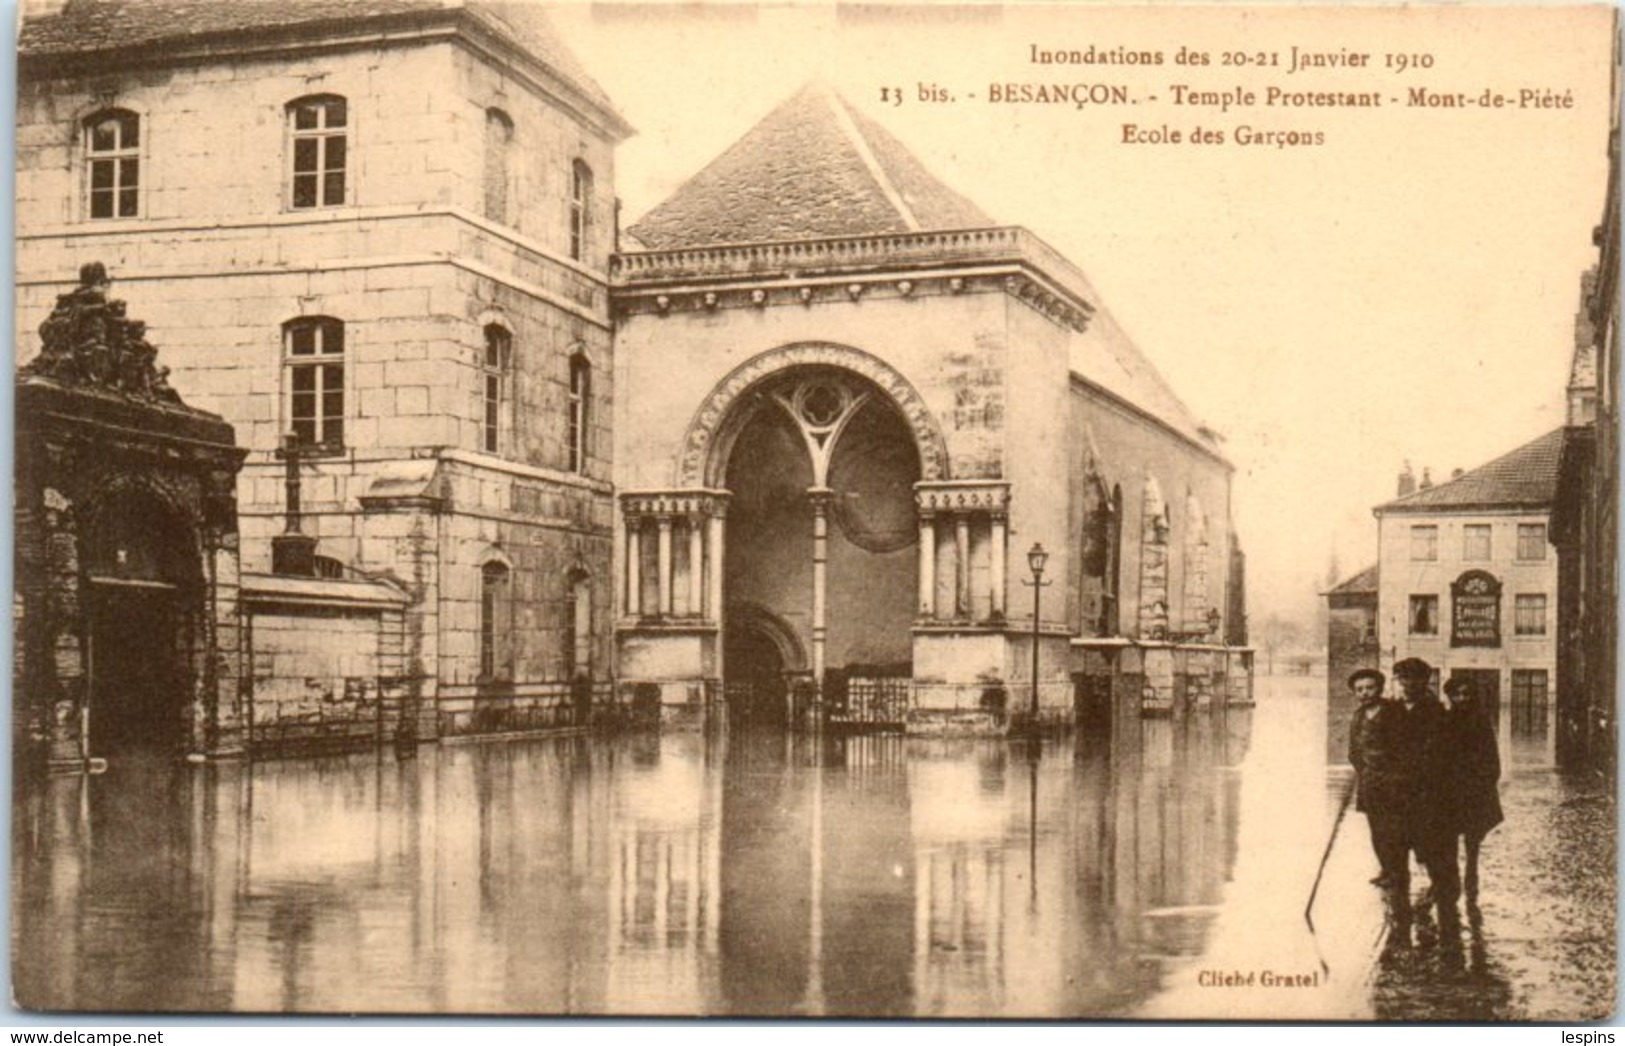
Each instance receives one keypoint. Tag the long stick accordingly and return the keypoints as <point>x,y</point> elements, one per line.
<point>1342,809</point>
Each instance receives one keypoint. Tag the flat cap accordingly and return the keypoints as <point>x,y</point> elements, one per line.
<point>1411,668</point>
<point>1366,673</point>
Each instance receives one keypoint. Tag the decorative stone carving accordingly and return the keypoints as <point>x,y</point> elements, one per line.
<point>88,341</point>
<point>982,496</point>
<point>694,464</point>
<point>666,504</point>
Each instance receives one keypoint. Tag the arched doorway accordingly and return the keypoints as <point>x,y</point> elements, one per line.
<point>820,466</point>
<point>762,657</point>
<point>142,602</point>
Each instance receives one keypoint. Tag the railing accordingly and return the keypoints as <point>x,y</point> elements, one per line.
<point>871,704</point>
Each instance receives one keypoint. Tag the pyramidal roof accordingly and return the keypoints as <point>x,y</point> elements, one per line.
<point>1525,478</point>
<point>813,167</point>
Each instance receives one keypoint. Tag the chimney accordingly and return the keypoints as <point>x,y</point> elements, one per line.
<point>1427,479</point>
<point>1457,473</point>
<point>1407,482</point>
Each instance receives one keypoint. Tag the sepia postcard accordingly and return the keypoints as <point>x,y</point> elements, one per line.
<point>874,510</point>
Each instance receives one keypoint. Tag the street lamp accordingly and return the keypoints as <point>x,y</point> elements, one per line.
<point>1036,558</point>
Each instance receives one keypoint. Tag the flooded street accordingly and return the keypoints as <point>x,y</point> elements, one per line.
<point>769,874</point>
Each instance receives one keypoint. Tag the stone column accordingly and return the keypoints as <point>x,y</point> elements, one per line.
<point>928,565</point>
<point>696,554</point>
<point>962,603</point>
<point>663,578</point>
<point>715,609</point>
<point>634,566</point>
<point>996,562</point>
<point>819,498</point>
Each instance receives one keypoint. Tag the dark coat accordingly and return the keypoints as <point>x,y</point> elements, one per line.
<point>1401,757</point>
<point>1475,770</point>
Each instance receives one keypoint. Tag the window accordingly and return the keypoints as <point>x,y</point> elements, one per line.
<point>319,126</point>
<point>1475,541</point>
<point>1528,688</point>
<point>580,391</point>
<point>1110,624</point>
<point>498,138</point>
<point>313,356</point>
<point>578,627</point>
<point>495,662</point>
<point>1424,616</point>
<point>1531,541</point>
<point>580,208</point>
<point>1529,615</point>
<point>494,376</point>
<point>113,162</point>
<point>1425,543</point>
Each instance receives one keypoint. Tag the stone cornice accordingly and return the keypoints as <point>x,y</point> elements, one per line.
<point>805,272</point>
<point>338,33</point>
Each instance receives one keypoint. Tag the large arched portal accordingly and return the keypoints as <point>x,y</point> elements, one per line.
<point>143,600</point>
<point>820,465</point>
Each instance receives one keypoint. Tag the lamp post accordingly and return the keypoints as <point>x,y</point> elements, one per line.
<point>1036,558</point>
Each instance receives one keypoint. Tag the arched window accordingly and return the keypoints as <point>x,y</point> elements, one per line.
<point>578,626</point>
<point>113,164</point>
<point>494,377</point>
<point>498,142</point>
<point>313,366</point>
<point>580,208</point>
<point>1154,534</point>
<point>496,658</point>
<point>1195,555</point>
<point>318,128</point>
<point>580,412</point>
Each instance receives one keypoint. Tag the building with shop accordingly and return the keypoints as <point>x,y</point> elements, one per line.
<point>885,401</point>
<point>383,230</point>
<point>1468,581</point>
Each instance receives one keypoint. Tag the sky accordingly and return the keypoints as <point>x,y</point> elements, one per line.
<point>1404,290</point>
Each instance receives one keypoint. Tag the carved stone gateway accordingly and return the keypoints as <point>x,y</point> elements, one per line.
<point>125,611</point>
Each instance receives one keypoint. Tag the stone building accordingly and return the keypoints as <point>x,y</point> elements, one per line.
<point>1585,520</point>
<point>1351,644</point>
<point>385,230</point>
<point>848,404</point>
<point>1467,581</point>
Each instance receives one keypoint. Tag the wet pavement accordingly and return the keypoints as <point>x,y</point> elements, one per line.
<point>1158,873</point>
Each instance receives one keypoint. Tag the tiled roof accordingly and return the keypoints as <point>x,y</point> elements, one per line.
<point>81,27</point>
<point>1363,583</point>
<point>813,167</point>
<point>1525,478</point>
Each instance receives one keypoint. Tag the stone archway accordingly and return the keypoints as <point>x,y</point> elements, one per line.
<point>710,436</point>
<point>143,607</point>
<point>820,465</point>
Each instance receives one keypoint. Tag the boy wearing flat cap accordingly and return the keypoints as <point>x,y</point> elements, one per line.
<point>1365,735</point>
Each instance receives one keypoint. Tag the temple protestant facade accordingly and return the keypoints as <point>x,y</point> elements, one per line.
<point>848,406</point>
<point>783,450</point>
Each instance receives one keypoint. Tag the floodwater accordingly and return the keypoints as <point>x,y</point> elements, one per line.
<point>1143,875</point>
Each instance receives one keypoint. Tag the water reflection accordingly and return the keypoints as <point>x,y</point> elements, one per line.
<point>749,873</point>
